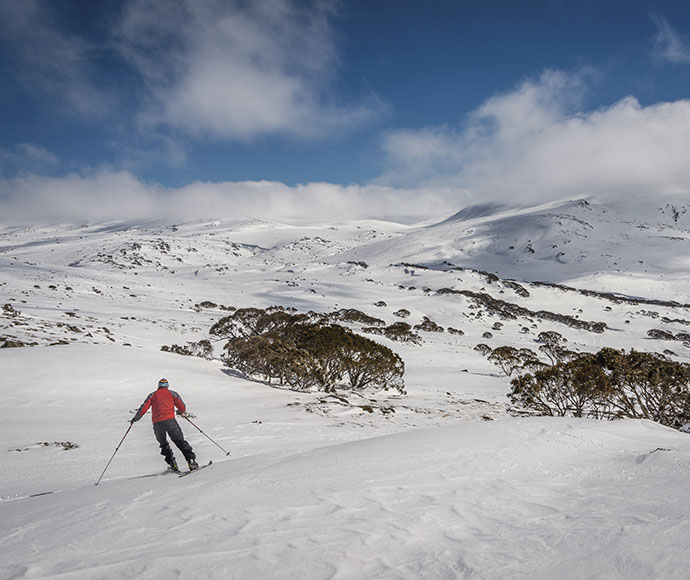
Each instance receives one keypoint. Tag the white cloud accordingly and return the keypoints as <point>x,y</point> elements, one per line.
<point>108,195</point>
<point>238,70</point>
<point>669,44</point>
<point>208,69</point>
<point>534,143</point>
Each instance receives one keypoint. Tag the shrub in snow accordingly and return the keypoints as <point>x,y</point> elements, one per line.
<point>355,316</point>
<point>483,349</point>
<point>610,384</point>
<point>658,334</point>
<point>247,322</point>
<point>297,352</point>
<point>6,342</point>
<point>553,347</point>
<point>517,288</point>
<point>510,311</point>
<point>402,313</point>
<point>510,359</point>
<point>202,349</point>
<point>8,310</point>
<point>428,325</point>
<point>398,331</point>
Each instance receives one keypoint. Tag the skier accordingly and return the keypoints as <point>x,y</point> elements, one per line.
<point>163,402</point>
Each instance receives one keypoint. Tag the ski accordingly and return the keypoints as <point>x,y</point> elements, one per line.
<point>189,472</point>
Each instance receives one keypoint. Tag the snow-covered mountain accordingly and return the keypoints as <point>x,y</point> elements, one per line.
<point>444,482</point>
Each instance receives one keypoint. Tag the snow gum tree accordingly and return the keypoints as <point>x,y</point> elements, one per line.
<point>510,359</point>
<point>610,384</point>
<point>295,351</point>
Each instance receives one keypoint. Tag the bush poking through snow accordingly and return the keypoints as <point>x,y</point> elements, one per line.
<point>510,359</point>
<point>553,347</point>
<point>398,331</point>
<point>202,349</point>
<point>247,322</point>
<point>295,352</point>
<point>608,385</point>
<point>356,317</point>
<point>428,325</point>
<point>8,310</point>
<point>483,349</point>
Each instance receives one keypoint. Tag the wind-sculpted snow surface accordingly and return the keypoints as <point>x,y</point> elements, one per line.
<point>446,481</point>
<point>532,498</point>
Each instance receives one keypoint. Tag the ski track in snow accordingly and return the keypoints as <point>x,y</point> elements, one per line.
<point>448,486</point>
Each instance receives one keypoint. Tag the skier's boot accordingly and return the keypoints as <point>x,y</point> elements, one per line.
<point>172,465</point>
<point>193,465</point>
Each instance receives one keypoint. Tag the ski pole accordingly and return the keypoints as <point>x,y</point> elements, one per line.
<point>204,434</point>
<point>116,449</point>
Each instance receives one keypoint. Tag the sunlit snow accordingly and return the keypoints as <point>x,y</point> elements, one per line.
<point>447,481</point>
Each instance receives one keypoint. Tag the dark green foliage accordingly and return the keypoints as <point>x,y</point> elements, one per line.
<point>658,334</point>
<point>302,354</point>
<point>483,349</point>
<point>610,384</point>
<point>429,325</point>
<point>247,322</point>
<point>202,349</point>
<point>366,362</point>
<point>356,317</point>
<point>574,388</point>
<point>14,343</point>
<point>8,310</point>
<point>552,347</point>
<point>398,331</point>
<point>510,359</point>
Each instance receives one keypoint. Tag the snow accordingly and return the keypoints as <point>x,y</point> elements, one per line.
<point>445,482</point>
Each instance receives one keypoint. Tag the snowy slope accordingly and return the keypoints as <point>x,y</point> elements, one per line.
<point>445,482</point>
<point>522,498</point>
<point>638,246</point>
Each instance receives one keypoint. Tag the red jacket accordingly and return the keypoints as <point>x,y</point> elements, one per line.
<point>162,403</point>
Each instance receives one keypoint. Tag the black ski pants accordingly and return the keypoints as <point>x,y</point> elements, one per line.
<point>172,428</point>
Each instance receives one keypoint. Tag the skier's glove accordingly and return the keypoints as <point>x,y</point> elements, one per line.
<point>180,413</point>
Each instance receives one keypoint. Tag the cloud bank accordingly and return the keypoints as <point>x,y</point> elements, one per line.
<point>528,145</point>
<point>119,195</point>
<point>534,143</point>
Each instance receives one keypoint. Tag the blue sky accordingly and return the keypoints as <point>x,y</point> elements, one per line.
<point>392,105</point>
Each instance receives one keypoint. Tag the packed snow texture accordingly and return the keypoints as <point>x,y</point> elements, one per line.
<point>448,481</point>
